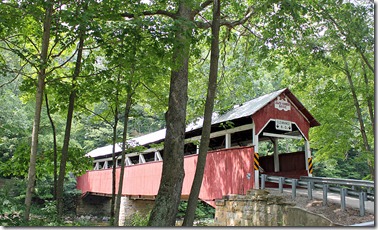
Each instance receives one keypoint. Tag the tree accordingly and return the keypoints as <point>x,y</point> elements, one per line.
<point>71,104</point>
<point>38,106</point>
<point>168,199</point>
<point>206,127</point>
<point>319,49</point>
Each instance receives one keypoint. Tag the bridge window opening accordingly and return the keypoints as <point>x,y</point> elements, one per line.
<point>190,148</point>
<point>149,156</point>
<point>134,159</point>
<point>242,138</point>
<point>110,164</point>
<point>217,143</point>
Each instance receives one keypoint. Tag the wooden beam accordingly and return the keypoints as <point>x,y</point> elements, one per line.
<point>281,136</point>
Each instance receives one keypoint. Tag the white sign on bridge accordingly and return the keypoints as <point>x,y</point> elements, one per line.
<point>283,125</point>
<point>282,104</point>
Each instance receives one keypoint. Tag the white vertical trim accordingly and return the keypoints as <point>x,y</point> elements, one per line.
<point>257,179</point>
<point>197,149</point>
<point>228,140</point>
<point>105,165</point>
<point>307,155</point>
<point>157,156</point>
<point>141,159</point>
<point>255,139</point>
<point>97,166</point>
<point>276,155</point>
<point>128,161</point>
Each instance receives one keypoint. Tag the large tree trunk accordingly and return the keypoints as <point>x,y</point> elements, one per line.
<point>55,148</point>
<point>38,108</point>
<point>124,145</point>
<point>67,134</point>
<point>168,198</point>
<point>206,128</point>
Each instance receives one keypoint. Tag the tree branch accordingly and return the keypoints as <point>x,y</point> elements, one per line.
<point>202,7</point>
<point>228,24</point>
<point>13,79</point>
<point>63,64</point>
<point>354,43</point>
<point>151,13</point>
<point>97,115</point>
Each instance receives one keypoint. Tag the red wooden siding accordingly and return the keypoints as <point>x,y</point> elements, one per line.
<point>225,173</point>
<point>291,165</point>
<point>261,117</point>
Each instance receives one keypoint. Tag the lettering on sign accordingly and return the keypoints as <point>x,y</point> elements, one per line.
<point>282,104</point>
<point>283,125</point>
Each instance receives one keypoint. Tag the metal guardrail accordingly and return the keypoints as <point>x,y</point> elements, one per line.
<point>365,224</point>
<point>338,181</point>
<point>346,187</point>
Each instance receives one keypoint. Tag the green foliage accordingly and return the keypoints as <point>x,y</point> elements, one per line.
<point>203,210</point>
<point>11,202</point>
<point>138,220</point>
<point>70,195</point>
<point>12,196</point>
<point>303,45</point>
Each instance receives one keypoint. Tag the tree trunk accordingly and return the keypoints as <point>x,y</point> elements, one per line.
<point>206,128</point>
<point>124,144</point>
<point>55,148</point>
<point>112,205</point>
<point>67,134</point>
<point>359,116</point>
<point>168,198</point>
<point>368,98</point>
<point>38,108</point>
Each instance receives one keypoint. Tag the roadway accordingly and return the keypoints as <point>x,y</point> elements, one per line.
<point>334,198</point>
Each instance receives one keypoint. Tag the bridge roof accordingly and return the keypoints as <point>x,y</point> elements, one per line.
<point>245,110</point>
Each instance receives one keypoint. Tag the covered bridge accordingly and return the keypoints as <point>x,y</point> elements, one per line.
<point>233,163</point>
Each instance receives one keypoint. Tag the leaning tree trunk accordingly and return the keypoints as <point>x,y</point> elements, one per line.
<point>206,128</point>
<point>38,108</point>
<point>66,141</point>
<point>368,98</point>
<point>55,148</point>
<point>168,198</point>
<point>359,116</point>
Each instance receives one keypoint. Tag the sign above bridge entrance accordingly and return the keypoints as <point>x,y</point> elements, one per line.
<point>283,125</point>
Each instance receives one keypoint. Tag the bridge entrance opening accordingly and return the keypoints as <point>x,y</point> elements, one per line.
<point>282,152</point>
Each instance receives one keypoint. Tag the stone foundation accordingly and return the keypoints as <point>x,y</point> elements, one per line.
<point>260,208</point>
<point>129,207</point>
<point>100,206</point>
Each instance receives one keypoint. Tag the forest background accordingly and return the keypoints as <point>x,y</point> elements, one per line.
<point>97,68</point>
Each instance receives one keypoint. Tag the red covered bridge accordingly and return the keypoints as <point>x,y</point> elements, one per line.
<point>233,163</point>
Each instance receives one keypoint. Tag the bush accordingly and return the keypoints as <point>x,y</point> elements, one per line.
<point>203,210</point>
<point>43,210</point>
<point>138,219</point>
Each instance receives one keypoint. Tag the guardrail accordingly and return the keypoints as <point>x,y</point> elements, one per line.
<point>362,189</point>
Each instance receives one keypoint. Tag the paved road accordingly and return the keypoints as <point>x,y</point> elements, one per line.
<point>335,198</point>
